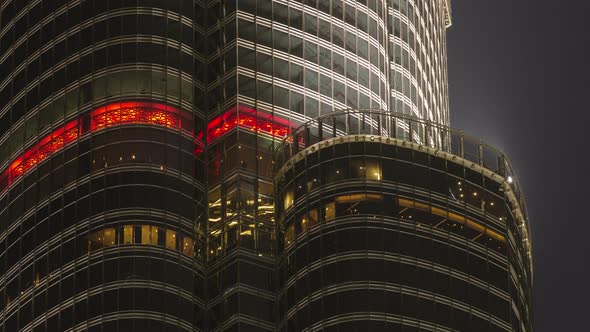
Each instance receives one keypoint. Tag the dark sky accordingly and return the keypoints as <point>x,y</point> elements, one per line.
<point>519,77</point>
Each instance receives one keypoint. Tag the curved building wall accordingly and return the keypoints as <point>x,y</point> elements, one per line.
<point>301,59</point>
<point>295,60</point>
<point>101,188</point>
<point>389,234</point>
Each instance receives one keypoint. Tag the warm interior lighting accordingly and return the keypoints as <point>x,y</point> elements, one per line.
<point>452,217</point>
<point>358,198</point>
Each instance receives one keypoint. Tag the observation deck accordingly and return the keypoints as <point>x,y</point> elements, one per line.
<point>370,125</point>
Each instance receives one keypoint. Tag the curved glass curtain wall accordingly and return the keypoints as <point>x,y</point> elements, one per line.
<point>377,123</point>
<point>378,230</point>
<point>101,227</point>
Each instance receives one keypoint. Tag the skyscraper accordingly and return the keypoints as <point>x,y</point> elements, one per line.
<point>144,144</point>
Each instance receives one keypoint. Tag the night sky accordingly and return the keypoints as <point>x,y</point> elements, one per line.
<point>519,76</point>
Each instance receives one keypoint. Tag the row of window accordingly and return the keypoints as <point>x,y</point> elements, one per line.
<point>407,307</point>
<point>387,273</point>
<point>119,24</point>
<point>20,99</point>
<point>79,11</point>
<point>64,168</point>
<point>382,170</point>
<point>100,304</point>
<point>56,265</point>
<point>408,210</point>
<point>64,212</point>
<point>117,83</point>
<point>318,84</point>
<point>249,235</point>
<point>311,23</point>
<point>141,234</point>
<point>351,41</point>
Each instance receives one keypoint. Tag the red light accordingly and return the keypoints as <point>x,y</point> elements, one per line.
<point>45,148</point>
<point>147,113</point>
<point>107,116</point>
<point>247,118</point>
<point>134,113</point>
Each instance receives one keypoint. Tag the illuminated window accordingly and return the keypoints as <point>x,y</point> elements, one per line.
<point>266,208</point>
<point>373,170</point>
<point>330,211</point>
<point>188,246</point>
<point>358,198</point>
<point>248,200</point>
<point>247,237</point>
<point>356,168</point>
<point>313,218</point>
<point>290,234</point>
<point>95,241</point>
<point>109,237</point>
<point>304,223</point>
<point>215,206</point>
<point>231,204</point>
<point>127,234</point>
<point>154,236</point>
<point>170,239</point>
<point>146,234</point>
<point>288,198</point>
<point>452,217</point>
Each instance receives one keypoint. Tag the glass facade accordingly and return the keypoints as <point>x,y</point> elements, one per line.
<point>102,196</point>
<point>377,229</point>
<point>138,173</point>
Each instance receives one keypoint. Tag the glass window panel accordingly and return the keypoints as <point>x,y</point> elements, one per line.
<point>330,211</point>
<point>215,206</point>
<point>109,237</point>
<point>128,234</point>
<point>145,234</point>
<point>188,246</point>
<point>154,236</point>
<point>373,169</point>
<point>290,234</point>
<point>288,198</point>
<point>170,239</point>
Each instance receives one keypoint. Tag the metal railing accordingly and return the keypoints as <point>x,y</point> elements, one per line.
<point>401,127</point>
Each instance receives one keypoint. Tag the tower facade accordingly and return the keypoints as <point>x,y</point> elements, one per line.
<point>381,232</point>
<point>145,144</point>
<point>102,199</point>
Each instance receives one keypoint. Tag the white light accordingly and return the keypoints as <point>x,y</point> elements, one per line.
<point>510,179</point>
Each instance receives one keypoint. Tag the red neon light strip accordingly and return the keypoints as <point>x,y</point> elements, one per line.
<point>45,148</point>
<point>134,113</point>
<point>149,113</point>
<point>111,115</point>
<point>246,118</point>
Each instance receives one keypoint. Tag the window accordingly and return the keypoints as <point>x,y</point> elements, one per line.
<point>109,237</point>
<point>141,234</point>
<point>215,206</point>
<point>170,239</point>
<point>330,212</point>
<point>145,234</point>
<point>288,198</point>
<point>290,234</point>
<point>188,246</point>
<point>127,234</point>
